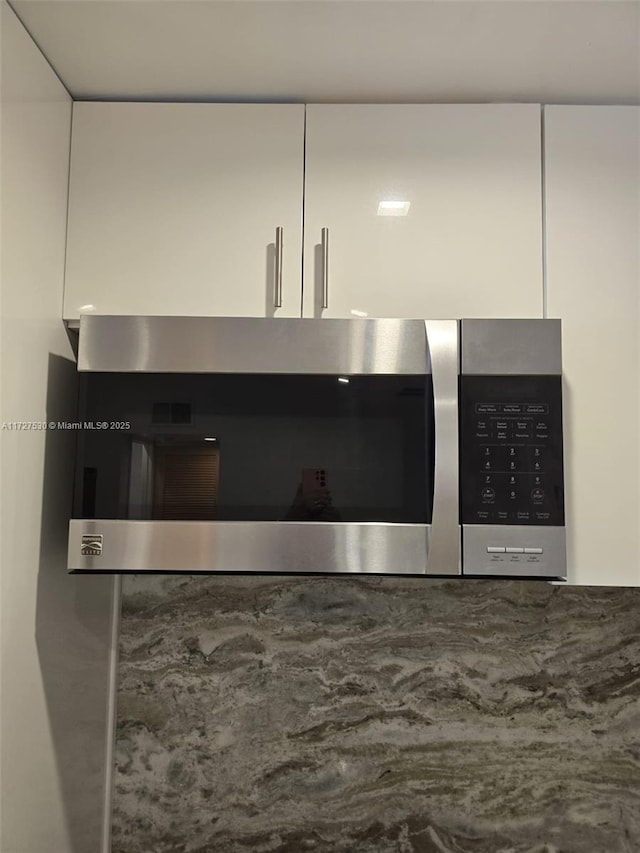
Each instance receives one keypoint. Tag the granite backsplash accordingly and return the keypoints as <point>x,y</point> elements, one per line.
<point>371,715</point>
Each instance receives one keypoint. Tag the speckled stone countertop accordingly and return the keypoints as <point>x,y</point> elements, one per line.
<point>370,714</point>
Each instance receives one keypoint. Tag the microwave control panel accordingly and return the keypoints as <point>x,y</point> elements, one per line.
<point>511,450</point>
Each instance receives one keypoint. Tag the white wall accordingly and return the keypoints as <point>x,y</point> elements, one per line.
<point>592,168</point>
<point>55,628</point>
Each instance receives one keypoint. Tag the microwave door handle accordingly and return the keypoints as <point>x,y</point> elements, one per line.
<point>443,555</point>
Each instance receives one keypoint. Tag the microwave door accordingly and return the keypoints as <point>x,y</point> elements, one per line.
<point>263,473</point>
<point>443,556</point>
<point>231,427</point>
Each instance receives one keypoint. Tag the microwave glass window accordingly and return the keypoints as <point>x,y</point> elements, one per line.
<point>255,447</point>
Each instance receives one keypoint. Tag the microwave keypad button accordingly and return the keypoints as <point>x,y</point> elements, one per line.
<point>495,549</point>
<point>513,453</point>
<point>537,409</point>
<point>533,551</point>
<point>537,495</point>
<point>488,495</point>
<point>514,550</point>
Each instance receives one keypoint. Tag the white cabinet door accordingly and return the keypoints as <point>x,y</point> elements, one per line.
<point>173,208</point>
<point>470,244</point>
<point>592,176</point>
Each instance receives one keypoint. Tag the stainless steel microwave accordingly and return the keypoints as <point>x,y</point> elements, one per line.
<point>402,447</point>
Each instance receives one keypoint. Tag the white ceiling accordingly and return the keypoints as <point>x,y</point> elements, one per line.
<point>560,51</point>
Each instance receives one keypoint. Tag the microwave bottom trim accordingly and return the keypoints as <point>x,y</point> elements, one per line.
<point>323,548</point>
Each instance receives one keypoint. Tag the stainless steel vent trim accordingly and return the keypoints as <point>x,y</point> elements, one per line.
<point>511,347</point>
<point>252,345</point>
<point>251,547</point>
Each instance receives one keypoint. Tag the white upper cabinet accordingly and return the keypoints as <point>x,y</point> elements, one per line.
<point>460,235</point>
<point>173,209</point>
<point>592,177</point>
